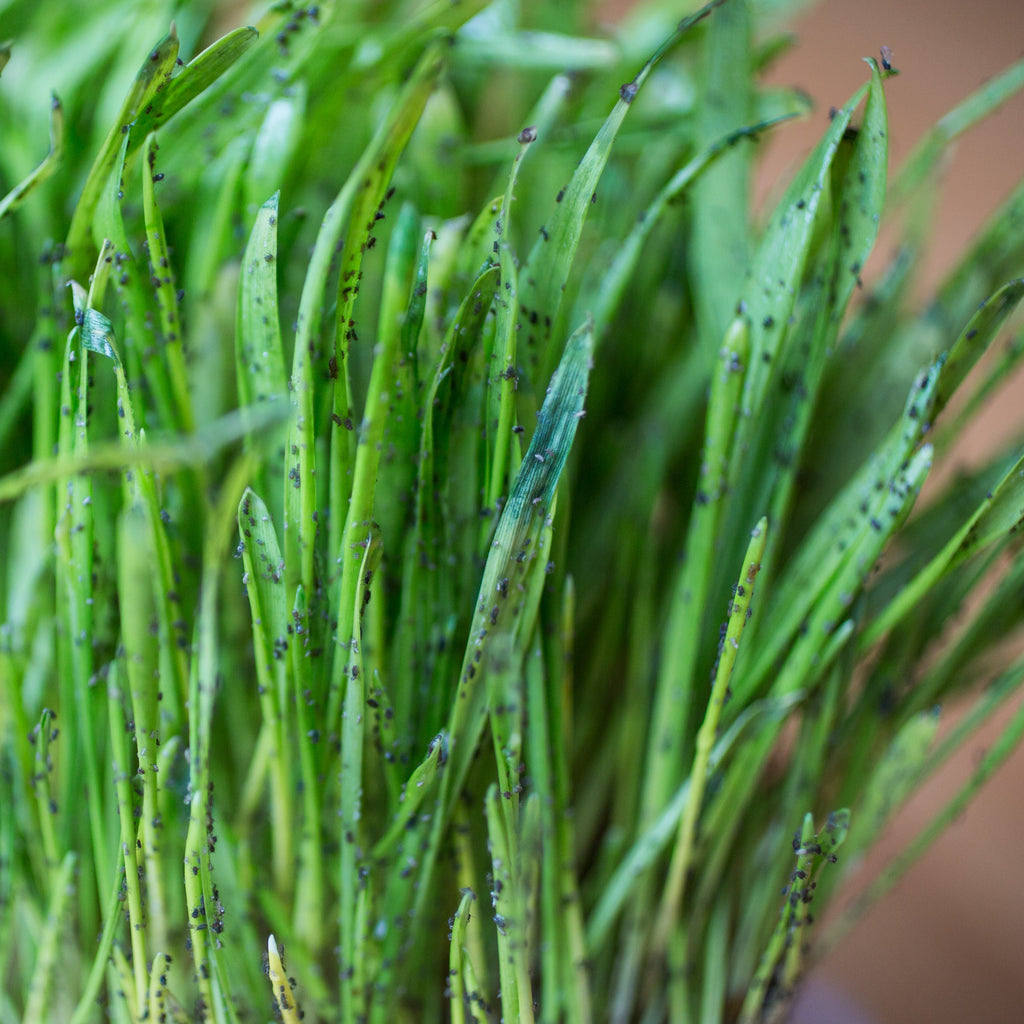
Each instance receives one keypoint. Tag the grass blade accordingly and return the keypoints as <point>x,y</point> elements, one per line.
<point>155,72</point>
<point>50,163</point>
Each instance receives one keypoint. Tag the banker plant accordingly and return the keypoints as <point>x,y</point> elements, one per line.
<point>449,534</point>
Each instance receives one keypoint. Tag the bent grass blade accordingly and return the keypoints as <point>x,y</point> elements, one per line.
<point>50,163</point>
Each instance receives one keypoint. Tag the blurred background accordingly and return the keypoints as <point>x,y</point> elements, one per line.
<point>947,944</point>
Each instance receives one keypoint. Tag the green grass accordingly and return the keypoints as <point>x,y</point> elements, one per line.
<point>447,534</point>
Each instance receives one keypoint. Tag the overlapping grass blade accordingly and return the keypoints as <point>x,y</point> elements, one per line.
<point>353,449</point>
<point>737,620</point>
<point>839,537</point>
<point>653,840</point>
<point>445,665</point>
<point>687,618</point>
<point>546,270</point>
<point>496,641</point>
<point>357,204</point>
<point>503,378</point>
<point>175,93</point>
<point>430,541</point>
<point>997,518</point>
<point>844,184</point>
<point>138,614</point>
<point>779,968</point>
<point>154,73</point>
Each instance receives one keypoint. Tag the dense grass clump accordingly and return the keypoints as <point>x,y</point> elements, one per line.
<point>446,533</point>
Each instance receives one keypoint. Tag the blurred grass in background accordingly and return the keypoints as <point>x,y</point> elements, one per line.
<point>438,498</point>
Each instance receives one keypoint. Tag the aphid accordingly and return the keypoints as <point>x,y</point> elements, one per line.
<point>886,58</point>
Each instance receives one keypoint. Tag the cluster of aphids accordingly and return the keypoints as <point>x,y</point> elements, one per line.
<point>371,240</point>
<point>802,849</point>
<point>215,921</point>
<point>294,24</point>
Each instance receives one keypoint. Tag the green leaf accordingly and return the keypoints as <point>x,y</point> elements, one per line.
<point>264,583</point>
<point>275,146</point>
<point>259,357</point>
<point>42,985</point>
<point>773,281</point>
<point>501,605</point>
<point>154,73</point>
<point>502,377</point>
<point>720,242</point>
<point>175,93</point>
<point>178,401</point>
<point>976,337</point>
